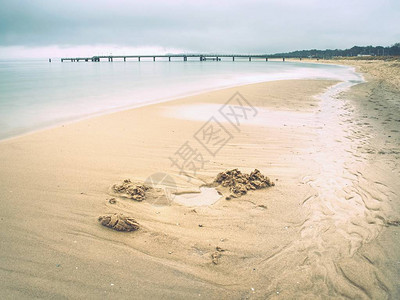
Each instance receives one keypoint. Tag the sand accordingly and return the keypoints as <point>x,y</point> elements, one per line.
<point>326,218</point>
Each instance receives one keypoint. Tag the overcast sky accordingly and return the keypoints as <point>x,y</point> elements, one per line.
<point>90,27</point>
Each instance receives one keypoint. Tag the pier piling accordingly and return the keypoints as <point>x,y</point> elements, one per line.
<point>201,57</point>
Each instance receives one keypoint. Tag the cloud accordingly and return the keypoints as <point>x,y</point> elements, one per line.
<point>210,26</point>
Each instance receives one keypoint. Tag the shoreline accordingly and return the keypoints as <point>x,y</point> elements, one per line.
<point>69,120</point>
<point>130,107</point>
<point>72,167</point>
<point>56,183</point>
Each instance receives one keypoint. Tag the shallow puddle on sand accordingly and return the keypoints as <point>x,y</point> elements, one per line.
<point>206,196</point>
<point>264,116</point>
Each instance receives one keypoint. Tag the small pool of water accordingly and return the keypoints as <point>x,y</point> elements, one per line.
<point>265,116</point>
<point>206,196</point>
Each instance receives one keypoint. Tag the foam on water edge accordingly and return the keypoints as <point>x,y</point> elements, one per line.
<point>37,95</point>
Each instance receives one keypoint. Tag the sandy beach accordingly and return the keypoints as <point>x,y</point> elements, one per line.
<point>327,229</point>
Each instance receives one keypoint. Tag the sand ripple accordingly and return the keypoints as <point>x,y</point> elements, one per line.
<point>349,208</point>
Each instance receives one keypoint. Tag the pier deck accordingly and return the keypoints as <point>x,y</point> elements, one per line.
<point>184,57</point>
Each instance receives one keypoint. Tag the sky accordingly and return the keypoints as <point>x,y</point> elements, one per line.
<point>67,28</point>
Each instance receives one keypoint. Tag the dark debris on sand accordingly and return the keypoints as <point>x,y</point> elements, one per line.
<point>119,222</point>
<point>239,183</point>
<point>393,223</point>
<point>215,256</point>
<point>130,190</point>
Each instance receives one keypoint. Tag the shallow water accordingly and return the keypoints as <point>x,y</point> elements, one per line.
<point>265,116</point>
<point>38,94</point>
<point>205,196</point>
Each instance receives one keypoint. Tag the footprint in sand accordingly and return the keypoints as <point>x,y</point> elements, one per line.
<point>119,222</point>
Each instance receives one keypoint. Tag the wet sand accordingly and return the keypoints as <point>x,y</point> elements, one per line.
<point>321,232</point>
<point>376,115</point>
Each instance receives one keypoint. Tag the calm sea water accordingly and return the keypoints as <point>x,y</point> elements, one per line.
<point>38,94</point>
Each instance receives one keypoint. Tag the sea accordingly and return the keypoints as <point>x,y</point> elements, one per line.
<point>37,94</point>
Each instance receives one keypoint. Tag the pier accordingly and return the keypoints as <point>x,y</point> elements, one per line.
<point>181,57</point>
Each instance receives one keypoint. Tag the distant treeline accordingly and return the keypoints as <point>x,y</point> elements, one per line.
<point>393,50</point>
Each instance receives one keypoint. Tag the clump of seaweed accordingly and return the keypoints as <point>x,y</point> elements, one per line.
<point>392,223</point>
<point>119,222</point>
<point>130,190</point>
<point>239,183</point>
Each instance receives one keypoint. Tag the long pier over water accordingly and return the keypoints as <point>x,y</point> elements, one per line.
<point>183,57</point>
